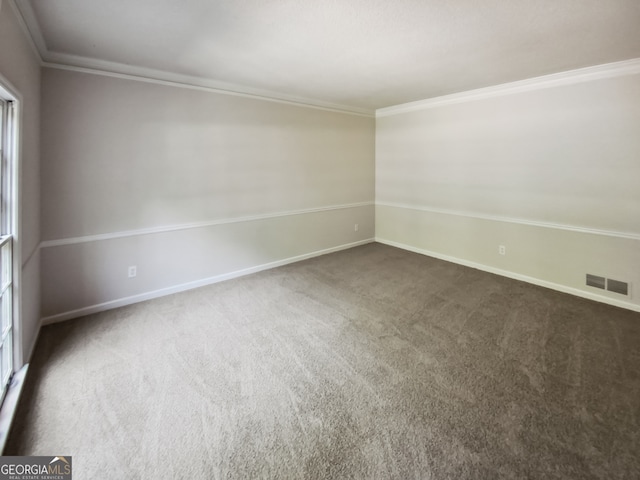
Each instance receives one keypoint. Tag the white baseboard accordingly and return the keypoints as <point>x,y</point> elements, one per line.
<point>516,276</point>
<point>121,302</point>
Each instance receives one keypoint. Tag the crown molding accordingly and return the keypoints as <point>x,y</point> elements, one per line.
<point>160,77</point>
<point>571,77</point>
<point>29,24</point>
<point>31,27</point>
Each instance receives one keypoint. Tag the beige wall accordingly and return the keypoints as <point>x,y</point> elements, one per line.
<point>124,158</point>
<point>193,186</point>
<point>20,66</point>
<point>552,174</point>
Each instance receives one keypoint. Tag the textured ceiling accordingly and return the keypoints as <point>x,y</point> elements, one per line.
<point>358,53</point>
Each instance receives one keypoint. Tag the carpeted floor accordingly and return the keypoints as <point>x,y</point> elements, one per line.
<point>370,363</point>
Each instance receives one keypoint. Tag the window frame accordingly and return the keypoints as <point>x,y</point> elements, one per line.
<point>9,223</point>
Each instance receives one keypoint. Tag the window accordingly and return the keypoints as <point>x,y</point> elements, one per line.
<point>7,154</point>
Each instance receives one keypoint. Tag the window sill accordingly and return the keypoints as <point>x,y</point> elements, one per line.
<point>10,404</point>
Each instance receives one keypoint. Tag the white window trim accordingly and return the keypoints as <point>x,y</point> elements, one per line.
<point>8,91</point>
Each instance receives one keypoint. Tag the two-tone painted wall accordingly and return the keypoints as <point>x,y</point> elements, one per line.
<point>192,186</point>
<point>548,168</point>
<point>189,186</point>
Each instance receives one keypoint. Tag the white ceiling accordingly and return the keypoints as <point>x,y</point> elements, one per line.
<point>363,54</point>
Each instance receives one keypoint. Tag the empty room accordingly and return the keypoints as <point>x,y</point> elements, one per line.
<point>320,240</point>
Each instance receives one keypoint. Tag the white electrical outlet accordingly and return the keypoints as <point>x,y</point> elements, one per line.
<point>355,227</point>
<point>502,250</point>
<point>132,271</point>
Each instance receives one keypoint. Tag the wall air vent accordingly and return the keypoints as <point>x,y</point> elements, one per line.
<point>615,286</point>
<point>596,281</point>
<point>618,286</point>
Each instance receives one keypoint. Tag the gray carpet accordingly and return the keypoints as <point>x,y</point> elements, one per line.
<point>368,363</point>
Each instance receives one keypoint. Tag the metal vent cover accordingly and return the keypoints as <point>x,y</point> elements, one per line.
<point>618,287</point>
<point>596,281</point>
